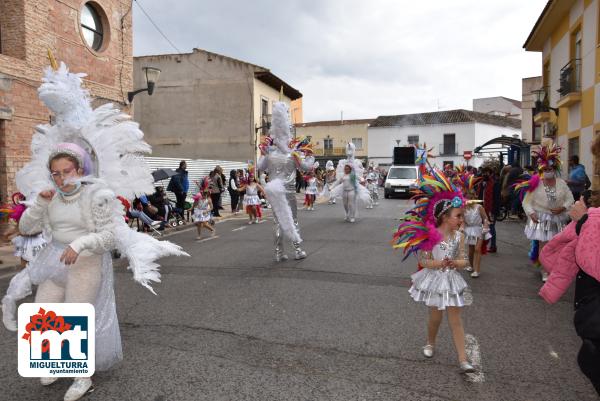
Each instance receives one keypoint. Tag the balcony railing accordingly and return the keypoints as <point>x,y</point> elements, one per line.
<point>448,149</point>
<point>570,78</point>
<point>330,152</point>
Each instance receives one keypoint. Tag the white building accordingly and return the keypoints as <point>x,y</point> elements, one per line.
<point>450,134</point>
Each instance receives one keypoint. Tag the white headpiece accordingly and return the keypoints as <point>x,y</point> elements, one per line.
<point>114,142</point>
<point>280,127</point>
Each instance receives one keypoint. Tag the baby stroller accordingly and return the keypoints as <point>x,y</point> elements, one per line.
<point>175,217</point>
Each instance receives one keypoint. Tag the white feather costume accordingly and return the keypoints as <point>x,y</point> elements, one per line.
<point>362,193</point>
<point>115,145</point>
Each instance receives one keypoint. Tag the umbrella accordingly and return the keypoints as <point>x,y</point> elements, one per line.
<point>163,174</point>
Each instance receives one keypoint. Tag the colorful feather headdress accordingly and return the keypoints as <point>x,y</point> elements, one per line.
<point>548,156</point>
<point>526,186</point>
<point>418,230</point>
<point>467,182</point>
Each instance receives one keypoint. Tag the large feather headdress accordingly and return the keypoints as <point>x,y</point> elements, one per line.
<point>114,142</point>
<point>418,228</point>
<point>548,156</point>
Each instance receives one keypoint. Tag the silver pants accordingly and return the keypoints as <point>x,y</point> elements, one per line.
<point>278,235</point>
<point>349,198</point>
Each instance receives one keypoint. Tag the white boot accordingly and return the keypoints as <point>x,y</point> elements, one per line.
<point>46,381</point>
<point>80,387</point>
<point>8,314</point>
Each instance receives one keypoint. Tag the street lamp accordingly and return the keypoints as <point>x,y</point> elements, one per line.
<point>542,103</point>
<point>151,75</point>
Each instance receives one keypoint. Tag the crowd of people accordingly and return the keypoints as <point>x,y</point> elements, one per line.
<point>453,223</point>
<point>77,212</point>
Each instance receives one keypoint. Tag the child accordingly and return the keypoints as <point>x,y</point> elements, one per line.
<point>373,190</point>
<point>476,228</point>
<point>202,208</point>
<point>252,201</point>
<point>27,247</point>
<point>310,195</point>
<point>432,229</point>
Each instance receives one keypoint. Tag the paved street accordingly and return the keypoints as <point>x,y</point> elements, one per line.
<point>230,324</point>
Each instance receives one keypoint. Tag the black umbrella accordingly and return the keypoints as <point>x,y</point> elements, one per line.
<point>163,174</point>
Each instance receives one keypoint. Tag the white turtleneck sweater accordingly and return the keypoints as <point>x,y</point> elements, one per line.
<point>66,223</point>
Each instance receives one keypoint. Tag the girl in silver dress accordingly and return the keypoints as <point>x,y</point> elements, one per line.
<point>431,230</point>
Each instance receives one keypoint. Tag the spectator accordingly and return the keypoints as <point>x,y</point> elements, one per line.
<point>137,211</point>
<point>180,185</point>
<point>578,180</point>
<point>161,202</point>
<point>215,185</point>
<point>242,180</point>
<point>219,171</point>
<point>490,195</point>
<point>573,255</point>
<point>233,188</point>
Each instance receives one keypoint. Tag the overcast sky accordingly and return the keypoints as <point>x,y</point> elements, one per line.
<point>367,58</point>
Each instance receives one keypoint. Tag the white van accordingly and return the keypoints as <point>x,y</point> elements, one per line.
<point>401,180</point>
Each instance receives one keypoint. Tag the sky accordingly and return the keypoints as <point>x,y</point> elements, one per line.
<point>365,58</point>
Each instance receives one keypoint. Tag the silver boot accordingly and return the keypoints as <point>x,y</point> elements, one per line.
<point>299,253</point>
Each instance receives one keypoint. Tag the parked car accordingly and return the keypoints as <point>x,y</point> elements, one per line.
<point>401,180</point>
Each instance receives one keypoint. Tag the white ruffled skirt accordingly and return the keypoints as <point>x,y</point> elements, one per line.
<point>108,337</point>
<point>251,200</point>
<point>548,226</point>
<point>28,247</point>
<point>438,288</point>
<point>473,234</point>
<point>201,215</point>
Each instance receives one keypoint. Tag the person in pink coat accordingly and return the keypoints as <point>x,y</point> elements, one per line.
<point>574,254</point>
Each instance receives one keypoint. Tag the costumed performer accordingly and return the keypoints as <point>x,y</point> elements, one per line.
<point>431,230</point>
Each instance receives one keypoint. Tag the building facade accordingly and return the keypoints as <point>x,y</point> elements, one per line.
<point>329,138</point>
<point>449,133</point>
<point>208,106</point>
<point>498,106</point>
<point>531,131</point>
<point>566,33</point>
<point>92,37</point>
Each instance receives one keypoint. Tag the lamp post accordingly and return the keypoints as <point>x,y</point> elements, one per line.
<point>151,74</point>
<point>542,103</point>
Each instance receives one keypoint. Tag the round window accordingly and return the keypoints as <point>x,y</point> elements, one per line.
<point>91,27</point>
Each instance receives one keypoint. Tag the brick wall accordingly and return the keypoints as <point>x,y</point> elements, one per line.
<point>28,28</point>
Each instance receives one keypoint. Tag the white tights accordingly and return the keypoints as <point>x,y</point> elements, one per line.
<point>83,282</point>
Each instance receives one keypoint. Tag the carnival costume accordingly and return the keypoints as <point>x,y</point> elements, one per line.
<point>27,247</point>
<point>330,178</point>
<point>202,209</point>
<point>417,233</point>
<point>539,198</point>
<point>373,188</point>
<point>475,227</point>
<point>89,220</point>
<point>348,186</point>
<point>281,156</point>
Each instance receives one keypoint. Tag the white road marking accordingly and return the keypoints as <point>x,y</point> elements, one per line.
<point>239,229</point>
<point>206,239</point>
<point>553,353</point>
<point>474,355</point>
<point>7,275</point>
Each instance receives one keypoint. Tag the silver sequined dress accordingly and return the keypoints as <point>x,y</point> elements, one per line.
<point>441,288</point>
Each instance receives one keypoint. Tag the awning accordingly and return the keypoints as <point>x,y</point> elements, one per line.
<point>499,144</point>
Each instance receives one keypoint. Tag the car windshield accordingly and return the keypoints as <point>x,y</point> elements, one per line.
<point>403,173</point>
